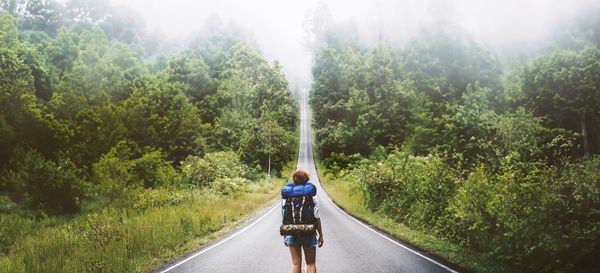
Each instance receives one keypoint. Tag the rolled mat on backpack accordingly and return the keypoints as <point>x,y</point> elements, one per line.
<point>302,229</point>
<point>292,189</point>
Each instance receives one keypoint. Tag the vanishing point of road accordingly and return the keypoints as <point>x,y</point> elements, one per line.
<point>349,244</point>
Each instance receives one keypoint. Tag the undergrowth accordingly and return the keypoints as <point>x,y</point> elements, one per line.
<point>161,225</point>
<point>350,198</point>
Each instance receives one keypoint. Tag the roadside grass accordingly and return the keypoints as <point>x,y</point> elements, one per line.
<point>116,239</point>
<point>351,200</point>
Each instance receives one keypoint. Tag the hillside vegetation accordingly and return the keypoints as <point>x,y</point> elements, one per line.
<point>439,136</point>
<point>115,157</point>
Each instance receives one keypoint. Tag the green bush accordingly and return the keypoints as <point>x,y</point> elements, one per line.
<point>113,172</point>
<point>412,189</point>
<point>203,171</point>
<point>46,185</point>
<point>544,219</point>
<point>538,217</point>
<point>336,162</point>
<point>152,170</point>
<point>226,185</point>
<point>118,173</point>
<point>470,204</point>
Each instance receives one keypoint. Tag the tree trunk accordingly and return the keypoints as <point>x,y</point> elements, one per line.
<point>586,145</point>
<point>269,144</point>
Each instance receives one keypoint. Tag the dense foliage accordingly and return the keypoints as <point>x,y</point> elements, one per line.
<point>437,136</point>
<point>116,144</point>
<point>84,116</point>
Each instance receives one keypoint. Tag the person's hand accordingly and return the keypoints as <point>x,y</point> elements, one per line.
<point>284,242</point>
<point>320,241</point>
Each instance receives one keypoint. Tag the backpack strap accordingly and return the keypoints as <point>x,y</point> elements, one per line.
<point>293,212</point>
<point>303,204</point>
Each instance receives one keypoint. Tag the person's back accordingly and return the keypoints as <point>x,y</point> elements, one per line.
<point>299,226</point>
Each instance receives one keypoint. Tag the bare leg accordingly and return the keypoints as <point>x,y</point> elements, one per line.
<point>310,257</point>
<point>296,258</point>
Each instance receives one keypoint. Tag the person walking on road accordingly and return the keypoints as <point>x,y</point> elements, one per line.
<point>303,239</point>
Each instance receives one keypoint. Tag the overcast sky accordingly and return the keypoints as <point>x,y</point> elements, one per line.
<point>277,25</point>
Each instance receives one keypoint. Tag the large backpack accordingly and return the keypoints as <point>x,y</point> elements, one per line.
<point>298,210</point>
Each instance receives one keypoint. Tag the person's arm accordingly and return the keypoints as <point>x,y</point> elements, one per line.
<point>282,214</point>
<point>318,217</point>
<point>320,232</point>
<point>282,208</point>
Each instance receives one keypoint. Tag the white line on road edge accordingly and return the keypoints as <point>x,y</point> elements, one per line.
<point>399,244</point>
<point>225,240</point>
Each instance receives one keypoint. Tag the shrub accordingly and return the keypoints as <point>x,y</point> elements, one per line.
<point>152,170</point>
<point>203,171</point>
<point>415,190</point>
<point>117,172</point>
<point>113,171</point>
<point>47,185</point>
<point>568,235</point>
<point>195,170</point>
<point>336,162</point>
<point>226,185</point>
<point>542,218</point>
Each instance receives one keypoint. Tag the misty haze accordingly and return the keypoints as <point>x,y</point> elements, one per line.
<point>156,136</point>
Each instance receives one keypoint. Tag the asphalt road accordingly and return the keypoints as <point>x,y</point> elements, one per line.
<point>349,244</point>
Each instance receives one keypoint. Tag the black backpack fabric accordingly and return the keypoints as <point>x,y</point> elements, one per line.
<point>298,210</point>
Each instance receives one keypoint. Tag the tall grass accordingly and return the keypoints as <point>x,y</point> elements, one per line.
<point>127,239</point>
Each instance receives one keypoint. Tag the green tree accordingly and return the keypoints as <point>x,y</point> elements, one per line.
<point>563,86</point>
<point>255,103</point>
<point>159,115</point>
<point>361,100</point>
<point>42,15</point>
<point>21,117</point>
<point>62,53</point>
<point>190,70</point>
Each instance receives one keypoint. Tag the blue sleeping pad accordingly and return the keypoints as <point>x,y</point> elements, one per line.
<point>291,190</point>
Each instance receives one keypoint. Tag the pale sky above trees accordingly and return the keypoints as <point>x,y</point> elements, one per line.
<point>278,29</point>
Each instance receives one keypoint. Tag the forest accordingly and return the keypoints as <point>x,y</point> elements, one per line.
<point>442,134</point>
<point>95,113</point>
<point>109,132</point>
<point>84,109</point>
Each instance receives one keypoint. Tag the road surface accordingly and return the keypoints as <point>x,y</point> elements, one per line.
<point>349,245</point>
